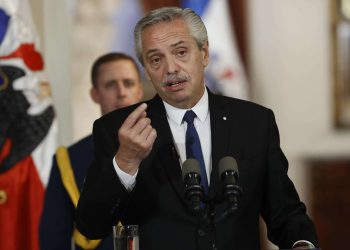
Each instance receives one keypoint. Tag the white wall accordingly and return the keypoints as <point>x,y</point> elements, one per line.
<point>291,72</point>
<point>57,49</point>
<point>53,25</point>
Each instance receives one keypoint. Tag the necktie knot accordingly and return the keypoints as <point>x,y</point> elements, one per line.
<point>189,116</point>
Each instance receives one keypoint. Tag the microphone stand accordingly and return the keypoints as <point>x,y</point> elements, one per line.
<point>212,224</point>
<point>231,196</point>
<point>209,213</point>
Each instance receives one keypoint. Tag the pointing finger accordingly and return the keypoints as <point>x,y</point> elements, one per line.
<point>134,116</point>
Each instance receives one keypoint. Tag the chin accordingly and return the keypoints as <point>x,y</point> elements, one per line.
<point>121,106</point>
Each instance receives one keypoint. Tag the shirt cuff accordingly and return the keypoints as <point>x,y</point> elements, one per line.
<point>126,179</point>
<point>304,243</point>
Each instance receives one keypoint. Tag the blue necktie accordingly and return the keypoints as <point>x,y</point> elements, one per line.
<point>193,147</point>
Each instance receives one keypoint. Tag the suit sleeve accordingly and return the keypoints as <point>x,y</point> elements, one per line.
<point>56,224</point>
<point>283,212</point>
<point>103,197</point>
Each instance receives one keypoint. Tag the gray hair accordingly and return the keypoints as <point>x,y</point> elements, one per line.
<point>169,14</point>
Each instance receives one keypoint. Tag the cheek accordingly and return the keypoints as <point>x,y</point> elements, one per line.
<point>155,75</point>
<point>106,100</point>
<point>109,96</point>
<point>134,94</point>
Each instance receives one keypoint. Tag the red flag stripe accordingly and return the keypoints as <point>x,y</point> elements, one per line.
<point>30,56</point>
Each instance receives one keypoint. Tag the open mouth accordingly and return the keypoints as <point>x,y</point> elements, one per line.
<point>175,81</point>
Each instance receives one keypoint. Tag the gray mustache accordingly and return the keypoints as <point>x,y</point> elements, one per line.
<point>169,79</point>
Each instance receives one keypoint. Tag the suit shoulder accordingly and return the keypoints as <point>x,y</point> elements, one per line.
<point>81,155</point>
<point>242,105</point>
<point>84,143</point>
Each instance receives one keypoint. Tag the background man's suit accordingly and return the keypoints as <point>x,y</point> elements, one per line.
<point>56,227</point>
<point>247,132</point>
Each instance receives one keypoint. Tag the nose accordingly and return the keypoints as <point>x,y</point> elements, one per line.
<point>171,66</point>
<point>121,91</point>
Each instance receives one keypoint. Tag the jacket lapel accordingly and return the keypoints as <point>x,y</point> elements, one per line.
<point>164,147</point>
<point>219,122</point>
<point>223,132</point>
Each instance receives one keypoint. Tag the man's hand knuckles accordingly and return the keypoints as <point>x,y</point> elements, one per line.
<point>144,122</point>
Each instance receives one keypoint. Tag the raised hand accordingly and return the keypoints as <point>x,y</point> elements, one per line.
<point>136,138</point>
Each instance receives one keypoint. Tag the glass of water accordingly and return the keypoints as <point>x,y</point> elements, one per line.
<point>126,237</point>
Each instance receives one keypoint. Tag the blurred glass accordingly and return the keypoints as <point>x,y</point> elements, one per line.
<point>126,237</point>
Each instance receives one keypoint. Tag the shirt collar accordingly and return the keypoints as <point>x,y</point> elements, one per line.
<point>201,109</point>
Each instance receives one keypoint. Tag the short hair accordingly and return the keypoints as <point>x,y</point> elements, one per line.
<point>110,57</point>
<point>169,14</point>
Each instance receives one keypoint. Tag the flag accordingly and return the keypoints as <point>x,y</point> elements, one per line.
<point>225,74</point>
<point>28,128</point>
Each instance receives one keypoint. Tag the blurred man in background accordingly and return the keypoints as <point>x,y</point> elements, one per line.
<point>116,83</point>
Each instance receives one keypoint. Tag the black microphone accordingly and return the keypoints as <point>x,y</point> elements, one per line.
<point>228,173</point>
<point>192,178</point>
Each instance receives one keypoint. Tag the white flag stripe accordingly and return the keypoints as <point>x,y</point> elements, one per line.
<point>42,155</point>
<point>226,66</point>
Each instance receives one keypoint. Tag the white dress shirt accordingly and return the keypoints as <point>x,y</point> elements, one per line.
<point>178,129</point>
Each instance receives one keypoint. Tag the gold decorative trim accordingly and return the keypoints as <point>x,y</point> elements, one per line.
<point>6,80</point>
<point>67,176</point>
<point>3,197</point>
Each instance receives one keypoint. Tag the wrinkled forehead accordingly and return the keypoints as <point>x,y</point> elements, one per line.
<point>166,33</point>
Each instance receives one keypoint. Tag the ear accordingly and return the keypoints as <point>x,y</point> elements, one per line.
<point>205,54</point>
<point>94,95</point>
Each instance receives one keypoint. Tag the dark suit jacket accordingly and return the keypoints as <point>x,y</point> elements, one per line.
<point>248,133</point>
<point>57,219</point>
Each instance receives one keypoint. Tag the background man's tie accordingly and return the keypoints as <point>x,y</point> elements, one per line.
<point>193,147</point>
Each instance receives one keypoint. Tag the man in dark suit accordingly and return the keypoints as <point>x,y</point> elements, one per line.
<point>116,83</point>
<point>136,176</point>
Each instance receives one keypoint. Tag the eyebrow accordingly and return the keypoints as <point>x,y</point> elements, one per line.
<point>110,81</point>
<point>151,51</point>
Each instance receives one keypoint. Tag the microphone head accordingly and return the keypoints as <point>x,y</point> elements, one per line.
<point>190,166</point>
<point>228,163</point>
